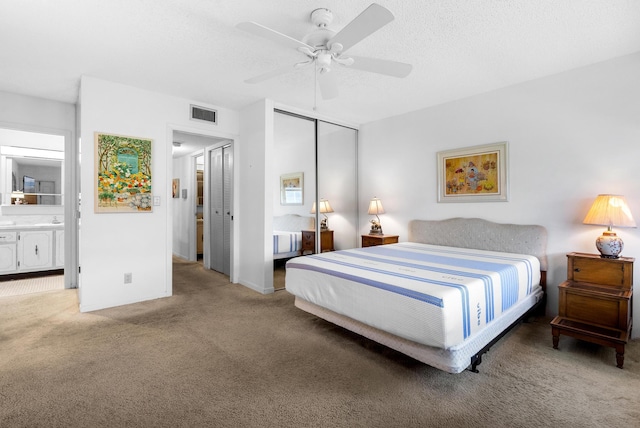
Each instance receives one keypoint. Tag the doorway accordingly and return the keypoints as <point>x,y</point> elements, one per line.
<point>196,230</point>
<point>37,188</point>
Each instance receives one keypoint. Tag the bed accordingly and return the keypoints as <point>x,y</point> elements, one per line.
<point>287,234</point>
<point>442,298</point>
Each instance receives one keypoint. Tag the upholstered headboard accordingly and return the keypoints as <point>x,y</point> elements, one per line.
<point>293,223</point>
<point>482,235</point>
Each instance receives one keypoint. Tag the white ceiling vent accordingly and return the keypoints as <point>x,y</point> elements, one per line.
<point>204,114</point>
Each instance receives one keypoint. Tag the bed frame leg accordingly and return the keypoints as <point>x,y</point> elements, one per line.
<point>476,360</point>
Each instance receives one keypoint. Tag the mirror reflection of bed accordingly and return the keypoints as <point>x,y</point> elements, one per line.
<point>287,242</point>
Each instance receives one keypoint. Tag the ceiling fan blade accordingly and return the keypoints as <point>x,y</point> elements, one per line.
<point>369,21</point>
<point>270,74</point>
<point>328,85</point>
<point>267,33</point>
<point>381,66</point>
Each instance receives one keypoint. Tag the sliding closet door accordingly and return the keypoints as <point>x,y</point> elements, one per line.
<point>337,181</point>
<point>324,155</point>
<point>294,155</point>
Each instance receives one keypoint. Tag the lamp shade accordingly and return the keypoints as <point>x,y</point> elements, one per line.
<point>325,207</point>
<point>610,210</point>
<point>375,207</point>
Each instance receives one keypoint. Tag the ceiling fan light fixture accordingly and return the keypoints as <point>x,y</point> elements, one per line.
<point>343,61</point>
<point>335,48</point>
<point>323,59</point>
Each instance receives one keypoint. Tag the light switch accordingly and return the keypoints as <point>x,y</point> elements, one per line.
<point>156,201</point>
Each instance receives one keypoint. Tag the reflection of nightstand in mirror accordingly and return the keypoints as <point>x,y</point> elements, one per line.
<point>309,241</point>
<point>373,240</point>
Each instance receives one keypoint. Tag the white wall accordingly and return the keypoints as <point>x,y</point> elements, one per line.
<point>36,114</point>
<point>112,244</point>
<point>256,198</point>
<point>571,136</point>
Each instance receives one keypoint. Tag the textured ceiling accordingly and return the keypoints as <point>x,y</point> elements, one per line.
<point>192,49</point>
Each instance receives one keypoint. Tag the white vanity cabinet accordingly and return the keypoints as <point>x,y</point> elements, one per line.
<point>31,249</point>
<point>35,250</point>
<point>8,252</point>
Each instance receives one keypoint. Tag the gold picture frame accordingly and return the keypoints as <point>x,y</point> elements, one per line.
<point>474,174</point>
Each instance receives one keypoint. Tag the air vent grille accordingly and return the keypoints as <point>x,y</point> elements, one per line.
<point>204,114</point>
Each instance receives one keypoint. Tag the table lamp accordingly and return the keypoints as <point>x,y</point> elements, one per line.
<point>610,210</point>
<point>375,208</point>
<point>18,196</point>
<point>325,208</point>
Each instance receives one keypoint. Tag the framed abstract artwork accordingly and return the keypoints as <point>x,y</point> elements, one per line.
<point>473,174</point>
<point>123,168</point>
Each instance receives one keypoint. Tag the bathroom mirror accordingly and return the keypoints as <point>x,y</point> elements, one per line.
<point>31,165</point>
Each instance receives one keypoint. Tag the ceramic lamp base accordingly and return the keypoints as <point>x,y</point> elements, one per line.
<point>610,245</point>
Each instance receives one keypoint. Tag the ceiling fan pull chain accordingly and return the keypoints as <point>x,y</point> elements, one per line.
<point>315,88</point>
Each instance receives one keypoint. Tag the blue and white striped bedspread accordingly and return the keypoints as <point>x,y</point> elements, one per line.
<point>286,242</point>
<point>434,295</point>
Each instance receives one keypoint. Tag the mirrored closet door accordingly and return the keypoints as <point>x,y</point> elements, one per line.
<point>315,171</point>
<point>337,184</point>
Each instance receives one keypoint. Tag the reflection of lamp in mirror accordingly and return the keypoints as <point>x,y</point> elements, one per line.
<point>375,208</point>
<point>325,208</point>
<point>610,210</point>
<point>18,196</point>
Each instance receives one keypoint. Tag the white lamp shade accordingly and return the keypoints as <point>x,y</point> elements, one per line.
<point>325,207</point>
<point>375,207</point>
<point>610,210</point>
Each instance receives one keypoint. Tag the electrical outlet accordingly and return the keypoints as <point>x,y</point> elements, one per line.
<point>128,278</point>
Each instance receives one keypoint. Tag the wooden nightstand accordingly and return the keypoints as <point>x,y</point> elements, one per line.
<point>595,302</point>
<point>309,241</point>
<point>373,240</point>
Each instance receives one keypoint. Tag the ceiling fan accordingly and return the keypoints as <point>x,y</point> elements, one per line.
<point>325,48</point>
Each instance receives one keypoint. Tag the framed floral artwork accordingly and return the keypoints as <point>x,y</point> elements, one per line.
<point>473,174</point>
<point>123,168</point>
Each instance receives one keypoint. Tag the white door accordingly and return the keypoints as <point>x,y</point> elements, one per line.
<point>220,190</point>
<point>35,250</point>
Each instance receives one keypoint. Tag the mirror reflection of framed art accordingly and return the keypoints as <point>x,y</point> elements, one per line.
<point>292,189</point>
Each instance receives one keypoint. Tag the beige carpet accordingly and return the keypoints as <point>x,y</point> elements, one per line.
<point>217,354</point>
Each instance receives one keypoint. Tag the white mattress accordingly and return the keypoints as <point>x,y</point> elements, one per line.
<point>286,242</point>
<point>432,295</point>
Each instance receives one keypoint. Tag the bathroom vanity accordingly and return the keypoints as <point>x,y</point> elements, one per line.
<point>31,248</point>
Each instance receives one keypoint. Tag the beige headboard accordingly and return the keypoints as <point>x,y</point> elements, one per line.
<point>293,223</point>
<point>482,235</point>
